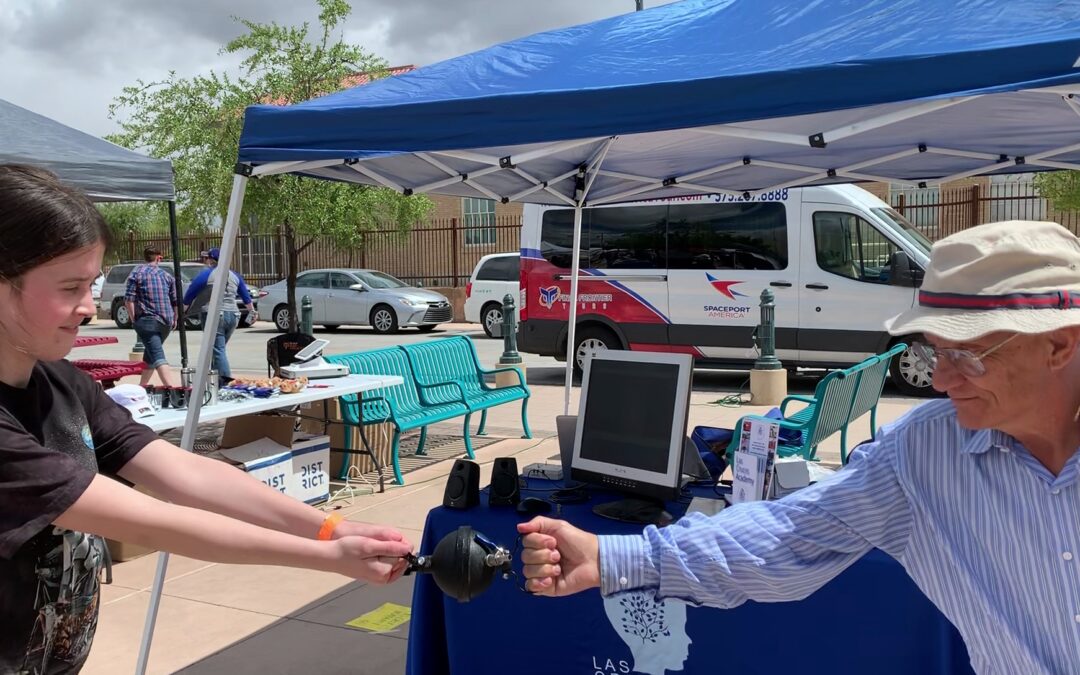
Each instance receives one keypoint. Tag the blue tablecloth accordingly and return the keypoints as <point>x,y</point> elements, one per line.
<point>870,619</point>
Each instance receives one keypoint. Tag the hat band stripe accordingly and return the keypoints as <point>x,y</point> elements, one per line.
<point>1050,300</point>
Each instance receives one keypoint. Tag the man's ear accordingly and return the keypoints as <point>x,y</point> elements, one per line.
<point>1064,346</point>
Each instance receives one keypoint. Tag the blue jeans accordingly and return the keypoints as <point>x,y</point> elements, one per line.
<point>152,333</point>
<point>226,326</point>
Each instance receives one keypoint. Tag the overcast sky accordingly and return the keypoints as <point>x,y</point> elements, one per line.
<point>68,59</point>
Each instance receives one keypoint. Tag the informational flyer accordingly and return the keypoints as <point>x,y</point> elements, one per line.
<point>754,460</point>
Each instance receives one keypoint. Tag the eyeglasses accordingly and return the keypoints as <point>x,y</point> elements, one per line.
<point>967,362</point>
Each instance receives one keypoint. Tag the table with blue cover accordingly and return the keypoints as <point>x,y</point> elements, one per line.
<point>870,619</point>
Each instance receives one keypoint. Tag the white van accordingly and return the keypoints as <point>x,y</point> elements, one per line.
<point>493,277</point>
<point>686,275</point>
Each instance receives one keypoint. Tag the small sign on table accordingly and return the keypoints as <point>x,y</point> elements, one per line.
<point>754,460</point>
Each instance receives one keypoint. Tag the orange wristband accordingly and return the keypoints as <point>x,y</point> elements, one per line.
<point>327,529</point>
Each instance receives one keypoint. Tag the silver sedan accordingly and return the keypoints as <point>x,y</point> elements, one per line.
<point>356,297</point>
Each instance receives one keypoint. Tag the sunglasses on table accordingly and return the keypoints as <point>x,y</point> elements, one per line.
<point>966,361</point>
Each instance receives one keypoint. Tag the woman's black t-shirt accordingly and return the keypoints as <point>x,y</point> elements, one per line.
<point>55,436</point>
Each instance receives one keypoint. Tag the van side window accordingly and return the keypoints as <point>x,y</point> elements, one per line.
<point>751,236</point>
<point>849,246</point>
<point>503,268</point>
<point>617,237</point>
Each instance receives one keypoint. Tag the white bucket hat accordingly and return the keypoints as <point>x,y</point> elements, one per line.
<point>1015,276</point>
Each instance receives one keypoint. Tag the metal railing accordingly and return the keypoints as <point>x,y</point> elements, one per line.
<point>441,253</point>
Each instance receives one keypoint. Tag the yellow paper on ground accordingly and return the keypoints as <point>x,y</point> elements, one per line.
<point>385,618</point>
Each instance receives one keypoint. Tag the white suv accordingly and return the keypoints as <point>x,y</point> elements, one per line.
<point>495,276</point>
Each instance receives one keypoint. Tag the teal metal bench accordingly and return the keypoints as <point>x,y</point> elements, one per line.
<point>840,398</point>
<point>443,379</point>
<point>403,405</point>
<point>449,370</point>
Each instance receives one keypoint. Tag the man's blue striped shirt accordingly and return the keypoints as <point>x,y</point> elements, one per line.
<point>988,533</point>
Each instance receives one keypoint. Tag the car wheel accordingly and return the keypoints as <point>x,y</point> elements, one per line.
<point>911,375</point>
<point>383,319</point>
<point>592,338</point>
<point>193,321</point>
<point>491,316</point>
<point>120,315</point>
<point>330,327</point>
<point>282,319</point>
<point>427,329</point>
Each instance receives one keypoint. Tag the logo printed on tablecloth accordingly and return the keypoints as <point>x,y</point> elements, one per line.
<point>655,632</point>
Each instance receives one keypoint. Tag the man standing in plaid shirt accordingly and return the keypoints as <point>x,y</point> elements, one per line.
<point>151,302</point>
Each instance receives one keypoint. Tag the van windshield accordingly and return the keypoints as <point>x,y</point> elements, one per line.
<point>904,227</point>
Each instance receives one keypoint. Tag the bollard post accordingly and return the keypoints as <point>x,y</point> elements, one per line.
<point>305,316</point>
<point>510,357</point>
<point>509,332</point>
<point>765,335</point>
<point>768,379</point>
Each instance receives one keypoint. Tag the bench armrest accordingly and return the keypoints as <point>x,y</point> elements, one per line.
<point>803,399</point>
<point>421,387</point>
<point>507,369</point>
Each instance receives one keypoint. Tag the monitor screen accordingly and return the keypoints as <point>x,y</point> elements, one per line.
<point>632,421</point>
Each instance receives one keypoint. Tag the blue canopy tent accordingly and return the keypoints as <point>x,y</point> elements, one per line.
<point>736,97</point>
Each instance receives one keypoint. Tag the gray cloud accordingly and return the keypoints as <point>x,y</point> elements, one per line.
<point>69,58</point>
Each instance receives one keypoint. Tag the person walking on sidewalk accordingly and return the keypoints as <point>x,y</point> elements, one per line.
<point>201,286</point>
<point>151,304</point>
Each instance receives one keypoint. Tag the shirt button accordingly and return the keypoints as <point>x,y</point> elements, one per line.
<point>1003,448</point>
<point>1055,491</point>
<point>1066,555</point>
<point>624,581</point>
<point>1076,618</point>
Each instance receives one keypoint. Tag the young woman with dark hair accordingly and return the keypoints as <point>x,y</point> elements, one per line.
<point>63,440</point>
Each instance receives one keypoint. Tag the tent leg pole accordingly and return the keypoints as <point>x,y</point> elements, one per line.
<point>187,442</point>
<point>180,329</point>
<point>571,353</point>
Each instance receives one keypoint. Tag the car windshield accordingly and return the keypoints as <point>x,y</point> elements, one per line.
<point>904,227</point>
<point>378,280</point>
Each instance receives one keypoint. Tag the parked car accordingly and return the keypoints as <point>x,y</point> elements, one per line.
<point>359,297</point>
<point>495,275</point>
<point>95,293</point>
<point>111,302</point>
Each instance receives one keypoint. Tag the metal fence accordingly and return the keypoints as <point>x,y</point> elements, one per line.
<point>441,253</point>
<point>938,213</point>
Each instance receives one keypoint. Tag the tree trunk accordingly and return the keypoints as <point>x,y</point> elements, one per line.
<point>290,283</point>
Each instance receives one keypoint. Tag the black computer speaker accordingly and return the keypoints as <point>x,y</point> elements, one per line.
<point>505,490</point>
<point>463,485</point>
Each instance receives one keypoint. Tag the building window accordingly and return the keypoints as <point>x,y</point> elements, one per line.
<point>479,218</point>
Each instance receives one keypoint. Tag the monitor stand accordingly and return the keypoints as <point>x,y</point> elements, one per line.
<point>640,510</point>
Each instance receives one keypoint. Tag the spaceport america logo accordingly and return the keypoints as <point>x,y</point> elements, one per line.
<point>734,310</point>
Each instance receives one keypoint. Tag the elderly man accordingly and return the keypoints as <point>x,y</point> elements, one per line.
<point>976,496</point>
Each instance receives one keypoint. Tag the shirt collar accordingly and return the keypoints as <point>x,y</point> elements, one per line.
<point>984,439</point>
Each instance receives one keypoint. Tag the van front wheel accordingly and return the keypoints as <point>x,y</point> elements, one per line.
<point>911,375</point>
<point>590,339</point>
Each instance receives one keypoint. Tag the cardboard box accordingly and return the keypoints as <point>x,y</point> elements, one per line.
<point>380,437</point>
<point>122,551</point>
<point>248,428</point>
<point>300,469</point>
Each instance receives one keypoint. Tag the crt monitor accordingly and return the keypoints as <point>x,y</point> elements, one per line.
<point>632,422</point>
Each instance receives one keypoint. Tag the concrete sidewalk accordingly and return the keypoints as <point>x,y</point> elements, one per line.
<point>251,619</point>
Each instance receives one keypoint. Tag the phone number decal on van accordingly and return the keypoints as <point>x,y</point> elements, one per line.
<point>770,196</point>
